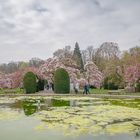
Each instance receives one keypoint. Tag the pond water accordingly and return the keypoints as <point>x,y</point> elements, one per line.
<point>69,118</point>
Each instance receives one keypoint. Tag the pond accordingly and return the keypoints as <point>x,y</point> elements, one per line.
<point>69,118</point>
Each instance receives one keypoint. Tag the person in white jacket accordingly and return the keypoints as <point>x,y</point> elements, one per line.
<point>76,88</point>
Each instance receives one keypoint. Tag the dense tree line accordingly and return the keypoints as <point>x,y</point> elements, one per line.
<point>15,66</point>
<point>110,60</point>
<point>117,66</point>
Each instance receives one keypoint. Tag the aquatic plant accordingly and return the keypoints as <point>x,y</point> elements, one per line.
<point>76,115</point>
<point>110,119</point>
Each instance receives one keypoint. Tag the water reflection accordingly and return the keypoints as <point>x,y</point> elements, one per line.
<point>32,106</point>
<point>80,116</point>
<point>137,135</point>
<point>29,108</point>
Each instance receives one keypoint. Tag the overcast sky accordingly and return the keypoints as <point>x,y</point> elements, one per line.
<point>36,28</point>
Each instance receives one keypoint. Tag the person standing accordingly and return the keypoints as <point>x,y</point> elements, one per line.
<point>52,86</point>
<point>71,87</point>
<point>76,88</point>
<point>86,89</point>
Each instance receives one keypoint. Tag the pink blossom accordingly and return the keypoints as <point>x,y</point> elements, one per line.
<point>132,74</point>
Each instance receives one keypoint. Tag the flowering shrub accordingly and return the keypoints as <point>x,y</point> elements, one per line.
<point>91,73</point>
<point>132,75</point>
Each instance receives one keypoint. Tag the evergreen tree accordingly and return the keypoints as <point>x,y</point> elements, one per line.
<point>29,82</point>
<point>78,57</point>
<point>61,81</point>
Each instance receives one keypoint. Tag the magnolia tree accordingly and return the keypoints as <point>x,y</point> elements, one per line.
<point>5,82</point>
<point>10,80</point>
<point>15,79</point>
<point>132,75</point>
<point>93,75</point>
<point>52,64</point>
<point>46,71</point>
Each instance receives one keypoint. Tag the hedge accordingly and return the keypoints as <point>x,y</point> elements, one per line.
<point>61,81</point>
<point>29,82</point>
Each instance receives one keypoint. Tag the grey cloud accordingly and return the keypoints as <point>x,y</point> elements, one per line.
<point>32,28</point>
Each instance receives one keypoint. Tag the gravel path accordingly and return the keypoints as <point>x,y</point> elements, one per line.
<point>77,95</point>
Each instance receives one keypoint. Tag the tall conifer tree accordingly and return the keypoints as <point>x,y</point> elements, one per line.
<point>78,57</point>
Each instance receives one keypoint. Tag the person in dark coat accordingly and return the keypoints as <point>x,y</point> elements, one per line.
<point>52,86</point>
<point>86,89</point>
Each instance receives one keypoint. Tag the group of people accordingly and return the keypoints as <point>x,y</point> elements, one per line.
<point>49,86</point>
<point>75,87</point>
<point>86,89</point>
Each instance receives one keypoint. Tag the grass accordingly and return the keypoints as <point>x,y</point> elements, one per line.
<point>11,91</point>
<point>92,91</point>
<point>99,91</point>
<point>105,91</point>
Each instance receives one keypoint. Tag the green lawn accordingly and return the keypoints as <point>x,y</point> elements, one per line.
<point>92,91</point>
<point>11,91</point>
<point>104,91</point>
<point>98,91</point>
